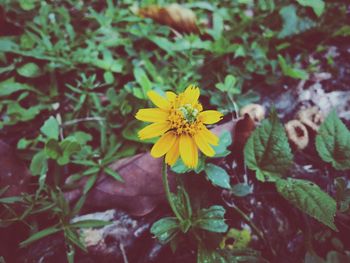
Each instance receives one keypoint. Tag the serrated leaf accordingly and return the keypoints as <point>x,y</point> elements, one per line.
<point>267,150</point>
<point>333,142</point>
<point>217,176</point>
<point>317,6</point>
<point>51,128</point>
<point>212,219</point>
<point>309,198</point>
<point>165,229</point>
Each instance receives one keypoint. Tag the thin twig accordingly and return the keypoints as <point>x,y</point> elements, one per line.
<point>72,122</point>
<point>125,258</point>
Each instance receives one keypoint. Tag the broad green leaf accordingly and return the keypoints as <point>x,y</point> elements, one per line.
<point>241,189</point>
<point>225,141</point>
<point>53,149</point>
<point>9,86</point>
<point>108,77</point>
<point>317,6</point>
<point>39,235</point>
<point>209,256</point>
<point>267,151</point>
<point>165,229</point>
<point>309,198</point>
<point>217,175</point>
<point>90,223</point>
<point>114,174</point>
<point>292,23</point>
<point>51,128</point>
<point>27,4</point>
<point>212,219</point>
<point>29,70</point>
<point>290,71</point>
<point>38,164</point>
<point>142,79</point>
<point>333,142</point>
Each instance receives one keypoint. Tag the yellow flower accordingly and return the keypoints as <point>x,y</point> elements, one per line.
<point>180,121</point>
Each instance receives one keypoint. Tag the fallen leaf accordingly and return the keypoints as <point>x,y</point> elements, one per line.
<point>142,190</point>
<point>174,15</point>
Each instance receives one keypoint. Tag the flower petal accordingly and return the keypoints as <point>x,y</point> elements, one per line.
<point>188,151</point>
<point>173,154</point>
<point>152,115</point>
<point>191,95</point>
<point>170,95</point>
<point>163,145</point>
<point>211,138</point>
<point>210,116</point>
<point>153,130</point>
<point>158,100</point>
<point>203,145</point>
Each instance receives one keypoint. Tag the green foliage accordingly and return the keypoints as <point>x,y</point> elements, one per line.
<point>309,198</point>
<point>217,176</point>
<point>267,150</point>
<point>318,6</point>
<point>291,71</point>
<point>333,142</point>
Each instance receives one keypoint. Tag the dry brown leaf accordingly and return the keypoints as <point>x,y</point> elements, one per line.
<point>142,190</point>
<point>174,15</point>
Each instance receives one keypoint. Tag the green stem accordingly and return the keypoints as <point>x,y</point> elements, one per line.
<point>250,222</point>
<point>168,193</point>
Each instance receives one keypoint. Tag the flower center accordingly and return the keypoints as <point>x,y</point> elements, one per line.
<point>183,120</point>
<point>189,113</point>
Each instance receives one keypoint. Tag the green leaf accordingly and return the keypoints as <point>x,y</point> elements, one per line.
<point>9,86</point>
<point>333,142</point>
<point>292,23</point>
<point>225,141</point>
<point>165,229</point>
<point>74,238</point>
<point>51,128</point>
<point>217,175</point>
<point>241,189</point>
<point>209,256</point>
<point>318,6</point>
<point>39,235</point>
<point>89,183</point>
<point>290,71</point>
<point>142,79</point>
<point>10,200</point>
<point>212,219</point>
<point>53,149</point>
<point>108,77</point>
<point>267,150</point>
<point>29,70</point>
<point>38,164</point>
<point>90,223</point>
<point>183,206</point>
<point>309,198</point>
<point>114,174</point>
<point>27,4</point>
